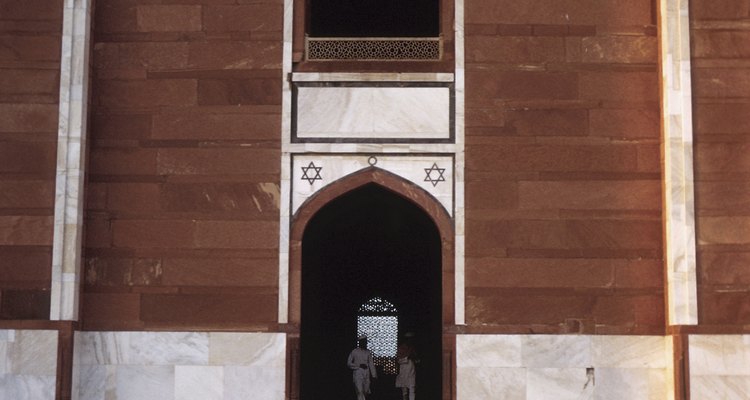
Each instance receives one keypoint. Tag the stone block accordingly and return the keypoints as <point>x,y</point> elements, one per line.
<point>731,118</point>
<point>620,86</point>
<point>719,9</point>
<point>590,195</point>
<point>235,55</point>
<point>116,18</point>
<point>237,234</point>
<point>148,93</point>
<point>248,198</point>
<point>153,233</point>
<point>721,82</point>
<point>620,49</point>
<point>25,304</point>
<point>628,311</point>
<point>553,158</point>
<point>643,273</point>
<point>218,161</point>
<point>26,230</point>
<point>492,195</point>
<point>125,161</point>
<point>195,124</point>
<point>720,44</point>
<point>169,18</point>
<point>722,157</point>
<point>198,309</point>
<point>724,268</point>
<point>27,194</point>
<point>515,49</point>
<point>493,306</point>
<point>29,81</point>
<point>31,10</point>
<point>152,56</point>
<point>28,118</point>
<point>133,196</point>
<point>220,271</point>
<point>252,18</point>
<point>724,308</point>
<point>239,92</point>
<point>540,273</point>
<point>108,271</point>
<point>122,307</point>
<point>723,197</point>
<point>121,126</point>
<point>723,230</point>
<point>487,85</point>
<point>18,48</point>
<point>551,12</point>
<point>549,122</point>
<point>24,266</point>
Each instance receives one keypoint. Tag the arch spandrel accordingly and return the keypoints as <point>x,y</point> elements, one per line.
<point>433,174</point>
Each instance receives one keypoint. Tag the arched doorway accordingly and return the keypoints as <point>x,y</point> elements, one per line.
<point>370,235</point>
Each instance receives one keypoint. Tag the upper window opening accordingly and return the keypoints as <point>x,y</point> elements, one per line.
<point>374,18</point>
<point>373,30</point>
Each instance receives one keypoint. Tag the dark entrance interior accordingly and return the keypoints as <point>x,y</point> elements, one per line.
<point>370,18</point>
<point>366,243</point>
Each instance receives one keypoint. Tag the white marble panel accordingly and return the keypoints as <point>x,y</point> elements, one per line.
<point>27,387</point>
<point>556,351</point>
<point>629,351</point>
<point>34,353</point>
<point>329,168</point>
<point>145,382</point>
<point>144,348</point>
<point>94,381</point>
<point>371,77</point>
<point>198,383</point>
<point>719,387</point>
<point>255,382</point>
<point>719,355</point>
<point>491,383</point>
<point>622,383</point>
<point>4,358</point>
<point>559,384</point>
<point>373,112</point>
<point>488,351</point>
<point>248,349</point>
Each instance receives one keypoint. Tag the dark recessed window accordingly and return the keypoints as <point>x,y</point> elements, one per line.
<point>374,18</point>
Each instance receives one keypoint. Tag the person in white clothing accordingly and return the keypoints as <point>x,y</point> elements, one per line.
<point>407,374</point>
<point>360,362</point>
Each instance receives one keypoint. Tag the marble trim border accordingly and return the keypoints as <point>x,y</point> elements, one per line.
<point>677,139</point>
<point>71,162</point>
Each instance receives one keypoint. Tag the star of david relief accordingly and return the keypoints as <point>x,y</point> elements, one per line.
<point>434,174</point>
<point>307,173</point>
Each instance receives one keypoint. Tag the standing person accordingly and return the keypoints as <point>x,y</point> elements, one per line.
<point>360,362</point>
<point>407,374</point>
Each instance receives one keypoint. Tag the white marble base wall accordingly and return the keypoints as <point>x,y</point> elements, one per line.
<point>719,367</point>
<point>562,367</point>
<point>179,366</point>
<point>28,364</point>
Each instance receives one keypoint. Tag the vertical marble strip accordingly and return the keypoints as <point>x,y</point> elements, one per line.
<point>678,163</point>
<point>284,184</point>
<point>71,151</point>
<point>459,213</point>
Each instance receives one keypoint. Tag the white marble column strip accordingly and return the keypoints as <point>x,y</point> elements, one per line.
<point>71,152</point>
<point>285,183</point>
<point>460,163</point>
<point>679,214</point>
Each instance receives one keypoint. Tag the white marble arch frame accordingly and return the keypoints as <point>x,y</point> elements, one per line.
<point>444,223</point>
<point>296,85</point>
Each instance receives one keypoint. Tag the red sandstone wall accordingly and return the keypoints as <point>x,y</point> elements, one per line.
<point>29,90</point>
<point>183,187</point>
<point>563,229</point>
<point>721,89</point>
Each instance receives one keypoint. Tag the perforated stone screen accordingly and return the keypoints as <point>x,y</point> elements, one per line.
<point>374,49</point>
<point>378,320</point>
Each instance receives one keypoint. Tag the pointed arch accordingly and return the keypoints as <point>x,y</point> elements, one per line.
<point>393,183</point>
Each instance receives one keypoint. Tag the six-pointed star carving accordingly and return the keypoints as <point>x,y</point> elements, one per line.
<point>434,179</point>
<point>307,173</point>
